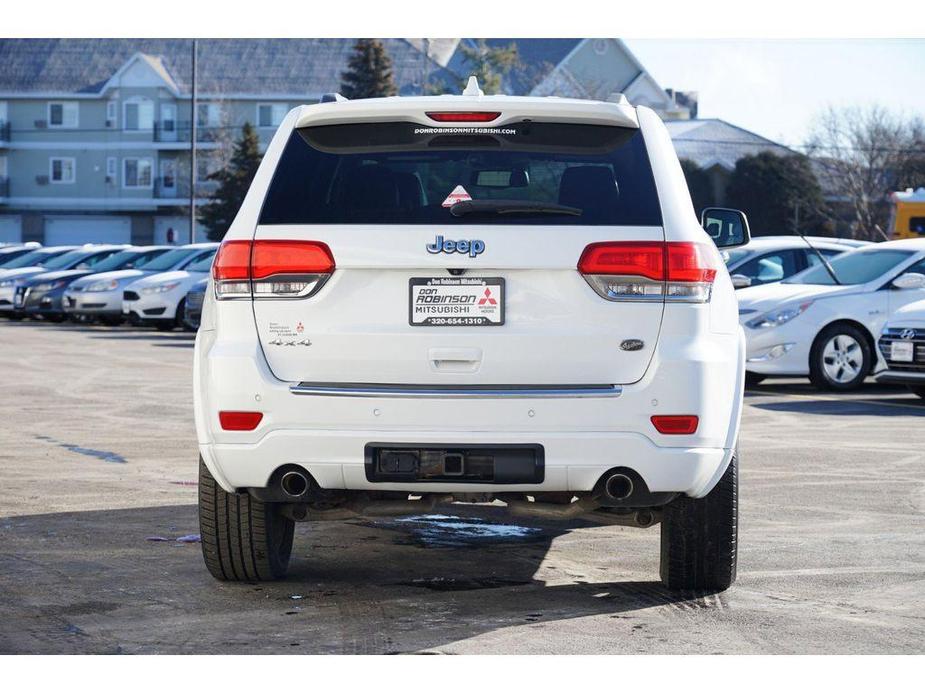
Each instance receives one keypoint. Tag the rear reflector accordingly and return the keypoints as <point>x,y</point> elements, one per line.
<point>464,116</point>
<point>239,421</point>
<point>675,423</point>
<point>268,269</point>
<point>649,270</point>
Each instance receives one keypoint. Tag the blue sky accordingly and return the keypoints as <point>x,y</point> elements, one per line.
<point>775,87</point>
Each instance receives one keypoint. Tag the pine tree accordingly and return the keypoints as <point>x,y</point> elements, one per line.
<point>219,212</point>
<point>489,63</point>
<point>369,72</point>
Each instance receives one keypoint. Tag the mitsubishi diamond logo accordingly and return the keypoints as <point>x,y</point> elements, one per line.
<point>487,299</point>
<point>907,334</point>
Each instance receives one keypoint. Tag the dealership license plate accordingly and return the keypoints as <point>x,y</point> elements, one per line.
<point>467,301</point>
<point>902,351</point>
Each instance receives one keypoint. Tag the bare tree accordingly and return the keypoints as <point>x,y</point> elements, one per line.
<point>862,154</point>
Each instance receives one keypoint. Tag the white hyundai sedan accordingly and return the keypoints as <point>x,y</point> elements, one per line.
<point>823,322</point>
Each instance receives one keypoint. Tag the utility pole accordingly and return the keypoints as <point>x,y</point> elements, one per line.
<point>426,67</point>
<point>192,152</point>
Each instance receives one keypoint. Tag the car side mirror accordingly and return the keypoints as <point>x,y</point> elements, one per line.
<point>727,227</point>
<point>741,281</point>
<point>910,280</point>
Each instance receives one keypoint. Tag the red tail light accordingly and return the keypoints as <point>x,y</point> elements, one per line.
<point>239,421</point>
<point>649,270</point>
<point>464,116</point>
<point>676,423</point>
<point>267,269</point>
<point>290,258</point>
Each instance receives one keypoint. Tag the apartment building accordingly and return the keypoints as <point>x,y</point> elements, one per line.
<point>95,134</point>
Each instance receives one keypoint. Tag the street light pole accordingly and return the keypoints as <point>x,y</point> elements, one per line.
<point>192,152</point>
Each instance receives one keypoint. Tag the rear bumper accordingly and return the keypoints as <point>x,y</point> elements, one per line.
<point>583,437</point>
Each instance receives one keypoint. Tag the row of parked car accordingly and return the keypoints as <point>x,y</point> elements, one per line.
<point>833,310</point>
<point>160,286</point>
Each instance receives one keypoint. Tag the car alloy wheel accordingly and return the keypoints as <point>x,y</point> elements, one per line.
<point>842,359</point>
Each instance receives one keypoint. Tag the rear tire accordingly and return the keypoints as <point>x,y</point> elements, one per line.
<point>242,539</point>
<point>840,358</point>
<point>700,537</point>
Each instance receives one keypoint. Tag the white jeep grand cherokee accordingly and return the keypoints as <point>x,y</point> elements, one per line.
<point>470,299</point>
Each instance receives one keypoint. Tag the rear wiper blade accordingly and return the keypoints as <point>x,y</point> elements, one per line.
<point>465,207</point>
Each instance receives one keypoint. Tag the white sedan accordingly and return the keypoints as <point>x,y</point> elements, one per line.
<point>824,324</point>
<point>158,300</point>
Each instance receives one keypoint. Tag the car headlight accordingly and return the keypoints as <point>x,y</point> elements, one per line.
<point>160,288</point>
<point>102,286</point>
<point>777,317</point>
<point>48,286</point>
<point>7,283</point>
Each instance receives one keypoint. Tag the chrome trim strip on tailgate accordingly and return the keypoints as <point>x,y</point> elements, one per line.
<point>388,390</point>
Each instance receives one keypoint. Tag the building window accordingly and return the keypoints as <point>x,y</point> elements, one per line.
<point>205,167</point>
<point>62,169</point>
<point>62,114</point>
<point>3,113</point>
<point>208,115</point>
<point>137,173</point>
<point>111,169</point>
<point>138,114</point>
<point>112,110</point>
<point>270,115</point>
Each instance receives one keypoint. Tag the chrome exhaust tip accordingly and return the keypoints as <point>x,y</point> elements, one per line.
<point>618,487</point>
<point>294,483</point>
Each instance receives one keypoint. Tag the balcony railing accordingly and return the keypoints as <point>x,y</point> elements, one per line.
<point>167,187</point>
<point>179,131</point>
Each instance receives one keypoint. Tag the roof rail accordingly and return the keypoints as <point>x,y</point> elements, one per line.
<point>333,96</point>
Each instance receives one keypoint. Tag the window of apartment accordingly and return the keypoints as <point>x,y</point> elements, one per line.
<point>62,114</point>
<point>3,113</point>
<point>112,111</point>
<point>205,167</point>
<point>270,115</point>
<point>138,114</point>
<point>111,167</point>
<point>62,169</point>
<point>2,168</point>
<point>208,115</point>
<point>137,172</point>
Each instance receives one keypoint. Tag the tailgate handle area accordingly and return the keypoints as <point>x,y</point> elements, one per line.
<point>456,360</point>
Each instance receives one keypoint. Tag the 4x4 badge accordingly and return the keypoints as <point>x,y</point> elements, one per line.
<point>471,246</point>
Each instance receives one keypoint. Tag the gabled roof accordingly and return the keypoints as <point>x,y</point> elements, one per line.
<point>292,67</point>
<point>710,142</point>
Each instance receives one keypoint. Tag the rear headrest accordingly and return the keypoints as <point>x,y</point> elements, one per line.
<point>591,188</point>
<point>371,187</point>
<point>410,190</point>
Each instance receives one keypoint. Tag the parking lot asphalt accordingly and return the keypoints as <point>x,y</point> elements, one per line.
<point>98,550</point>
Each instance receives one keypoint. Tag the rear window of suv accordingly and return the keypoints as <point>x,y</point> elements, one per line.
<point>405,173</point>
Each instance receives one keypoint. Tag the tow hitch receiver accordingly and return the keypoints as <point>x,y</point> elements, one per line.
<point>495,464</point>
